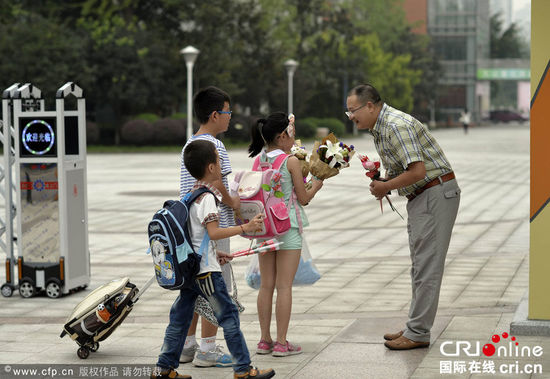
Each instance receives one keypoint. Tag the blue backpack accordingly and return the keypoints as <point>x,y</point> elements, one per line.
<point>176,262</point>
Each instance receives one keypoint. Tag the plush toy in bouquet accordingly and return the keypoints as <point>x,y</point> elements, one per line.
<point>329,156</point>
<point>301,153</point>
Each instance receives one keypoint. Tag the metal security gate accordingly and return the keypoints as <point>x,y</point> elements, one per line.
<point>44,177</point>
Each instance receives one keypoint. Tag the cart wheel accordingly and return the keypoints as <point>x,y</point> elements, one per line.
<point>7,290</point>
<point>53,290</point>
<point>26,289</point>
<point>83,352</point>
<point>94,347</point>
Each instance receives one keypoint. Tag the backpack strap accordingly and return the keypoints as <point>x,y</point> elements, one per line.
<point>281,158</point>
<point>257,165</point>
<point>234,185</point>
<point>204,245</point>
<point>189,198</point>
<point>294,200</point>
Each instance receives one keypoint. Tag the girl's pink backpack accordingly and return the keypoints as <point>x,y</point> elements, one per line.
<point>259,191</point>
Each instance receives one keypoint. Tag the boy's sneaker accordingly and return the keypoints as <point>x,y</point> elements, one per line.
<point>255,373</point>
<point>286,350</point>
<point>158,373</point>
<point>188,354</point>
<point>264,347</point>
<point>215,357</point>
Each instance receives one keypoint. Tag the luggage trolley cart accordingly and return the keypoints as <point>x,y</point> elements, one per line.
<point>50,177</point>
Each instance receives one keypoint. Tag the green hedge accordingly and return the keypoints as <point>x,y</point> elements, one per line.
<point>141,131</point>
<point>179,116</point>
<point>172,131</point>
<point>92,132</point>
<point>137,132</point>
<point>163,131</point>
<point>149,117</point>
<point>239,128</point>
<point>307,127</point>
<point>168,131</point>
<point>333,125</point>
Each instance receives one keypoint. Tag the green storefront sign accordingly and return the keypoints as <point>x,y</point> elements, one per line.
<point>503,74</point>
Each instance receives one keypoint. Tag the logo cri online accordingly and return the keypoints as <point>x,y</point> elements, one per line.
<point>506,350</point>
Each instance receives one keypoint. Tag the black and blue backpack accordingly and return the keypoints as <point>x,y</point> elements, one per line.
<point>174,258</point>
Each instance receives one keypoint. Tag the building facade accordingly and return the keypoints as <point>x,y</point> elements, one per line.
<point>460,33</point>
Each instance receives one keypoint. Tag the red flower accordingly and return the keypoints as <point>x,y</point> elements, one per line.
<point>371,174</point>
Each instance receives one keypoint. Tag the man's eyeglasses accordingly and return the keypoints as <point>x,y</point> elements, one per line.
<point>350,113</point>
<point>225,112</point>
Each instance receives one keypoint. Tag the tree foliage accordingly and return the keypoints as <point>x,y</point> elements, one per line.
<point>126,53</point>
<point>389,73</point>
<point>506,43</point>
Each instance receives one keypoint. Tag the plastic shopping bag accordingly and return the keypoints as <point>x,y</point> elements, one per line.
<point>307,273</point>
<point>252,273</point>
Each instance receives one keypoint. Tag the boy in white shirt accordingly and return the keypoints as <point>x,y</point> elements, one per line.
<point>212,109</point>
<point>202,161</point>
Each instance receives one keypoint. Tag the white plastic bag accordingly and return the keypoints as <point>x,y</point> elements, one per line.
<point>252,273</point>
<point>306,275</point>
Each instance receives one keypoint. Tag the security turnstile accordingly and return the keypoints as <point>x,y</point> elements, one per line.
<point>45,156</point>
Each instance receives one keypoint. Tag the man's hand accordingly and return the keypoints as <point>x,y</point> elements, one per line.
<point>379,189</point>
<point>223,257</point>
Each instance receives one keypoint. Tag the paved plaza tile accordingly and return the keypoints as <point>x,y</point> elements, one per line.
<point>361,253</point>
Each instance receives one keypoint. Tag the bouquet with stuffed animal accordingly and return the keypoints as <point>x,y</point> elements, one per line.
<point>329,156</point>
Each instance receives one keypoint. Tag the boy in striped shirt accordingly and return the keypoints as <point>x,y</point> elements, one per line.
<point>211,106</point>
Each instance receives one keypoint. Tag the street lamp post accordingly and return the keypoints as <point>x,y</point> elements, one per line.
<point>291,66</point>
<point>190,54</point>
<point>431,124</point>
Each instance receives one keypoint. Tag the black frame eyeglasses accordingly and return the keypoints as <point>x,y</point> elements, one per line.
<point>350,113</point>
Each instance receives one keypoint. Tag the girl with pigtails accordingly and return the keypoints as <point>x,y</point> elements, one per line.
<point>272,137</point>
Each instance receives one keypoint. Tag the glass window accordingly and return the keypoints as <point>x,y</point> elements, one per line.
<point>451,48</point>
<point>443,6</point>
